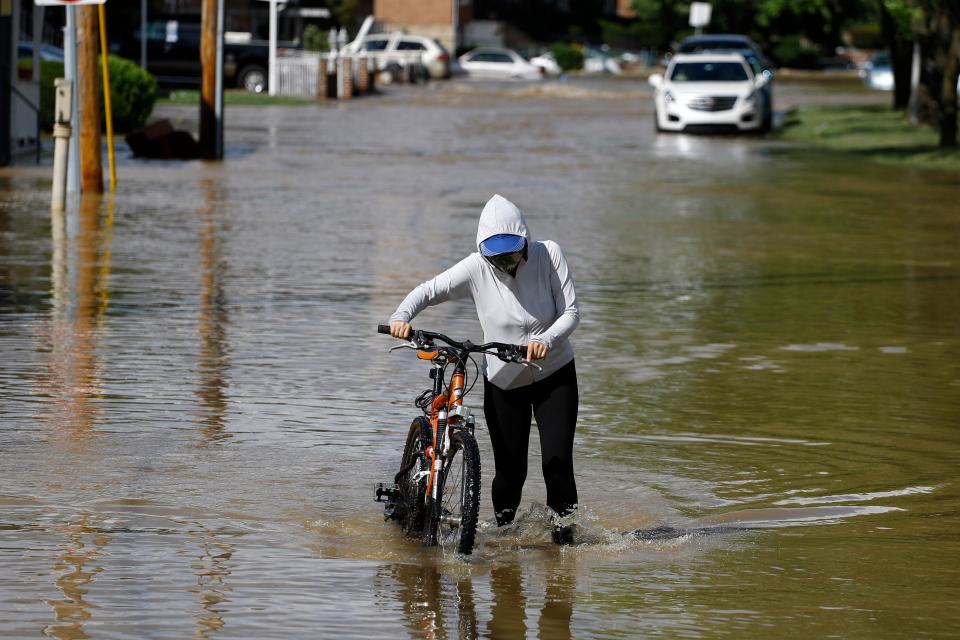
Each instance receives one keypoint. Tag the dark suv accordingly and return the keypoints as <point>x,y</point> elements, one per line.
<point>173,55</point>
<point>723,42</point>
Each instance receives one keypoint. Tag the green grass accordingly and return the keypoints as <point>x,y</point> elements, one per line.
<point>877,134</point>
<point>237,97</point>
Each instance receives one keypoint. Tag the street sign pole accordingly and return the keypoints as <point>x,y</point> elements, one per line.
<point>143,34</point>
<point>272,77</point>
<point>700,15</point>
<point>218,89</point>
<point>70,71</point>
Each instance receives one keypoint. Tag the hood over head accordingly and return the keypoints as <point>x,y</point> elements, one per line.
<point>501,216</point>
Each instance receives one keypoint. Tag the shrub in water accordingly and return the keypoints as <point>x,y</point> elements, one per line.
<point>133,92</point>
<point>567,56</point>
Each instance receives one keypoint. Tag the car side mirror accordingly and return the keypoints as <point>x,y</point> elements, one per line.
<point>655,80</point>
<point>764,78</point>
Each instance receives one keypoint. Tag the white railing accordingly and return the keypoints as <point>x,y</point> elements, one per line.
<point>297,74</point>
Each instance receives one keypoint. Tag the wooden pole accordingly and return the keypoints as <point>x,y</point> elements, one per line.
<point>209,134</point>
<point>88,76</point>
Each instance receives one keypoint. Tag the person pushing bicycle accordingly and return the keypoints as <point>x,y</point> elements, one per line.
<point>524,294</point>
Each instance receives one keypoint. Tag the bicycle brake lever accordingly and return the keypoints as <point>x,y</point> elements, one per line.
<point>408,345</point>
<point>532,364</point>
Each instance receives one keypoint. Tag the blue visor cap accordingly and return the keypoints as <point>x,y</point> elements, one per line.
<point>502,243</point>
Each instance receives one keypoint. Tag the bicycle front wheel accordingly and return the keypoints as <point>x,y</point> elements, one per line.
<point>412,479</point>
<point>459,495</point>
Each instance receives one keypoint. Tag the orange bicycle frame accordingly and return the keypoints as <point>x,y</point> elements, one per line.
<point>443,403</point>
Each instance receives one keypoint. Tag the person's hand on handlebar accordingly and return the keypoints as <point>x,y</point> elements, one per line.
<point>400,329</point>
<point>536,351</point>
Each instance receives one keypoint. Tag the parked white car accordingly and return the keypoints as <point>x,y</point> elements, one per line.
<point>711,90</point>
<point>547,64</point>
<point>599,60</point>
<point>498,64</point>
<point>877,72</point>
<point>402,49</point>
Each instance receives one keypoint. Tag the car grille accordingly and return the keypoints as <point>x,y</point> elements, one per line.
<point>712,103</point>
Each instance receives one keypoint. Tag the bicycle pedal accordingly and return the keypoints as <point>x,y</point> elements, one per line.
<point>386,492</point>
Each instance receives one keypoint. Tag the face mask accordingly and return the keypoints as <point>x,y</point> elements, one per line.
<point>506,262</point>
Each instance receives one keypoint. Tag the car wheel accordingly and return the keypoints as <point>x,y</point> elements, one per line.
<point>253,78</point>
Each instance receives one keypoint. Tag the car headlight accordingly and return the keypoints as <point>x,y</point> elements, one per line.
<point>668,97</point>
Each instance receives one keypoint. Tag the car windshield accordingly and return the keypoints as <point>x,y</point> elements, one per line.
<point>708,72</point>
<point>375,45</point>
<point>491,56</point>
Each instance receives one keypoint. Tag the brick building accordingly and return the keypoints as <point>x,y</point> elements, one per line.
<point>440,19</point>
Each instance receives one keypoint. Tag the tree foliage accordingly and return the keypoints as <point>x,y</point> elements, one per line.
<point>819,22</point>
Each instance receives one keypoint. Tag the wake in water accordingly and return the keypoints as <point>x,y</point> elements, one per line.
<point>535,528</point>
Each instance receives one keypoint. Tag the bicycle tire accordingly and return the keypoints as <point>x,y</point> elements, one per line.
<point>455,519</point>
<point>413,491</point>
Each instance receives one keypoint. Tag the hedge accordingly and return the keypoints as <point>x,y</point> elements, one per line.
<point>133,92</point>
<point>568,57</point>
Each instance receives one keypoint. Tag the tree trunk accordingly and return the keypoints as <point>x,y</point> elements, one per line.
<point>951,74</point>
<point>937,28</point>
<point>901,55</point>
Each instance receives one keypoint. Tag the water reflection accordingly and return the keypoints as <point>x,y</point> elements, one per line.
<point>80,294</point>
<point>449,601</point>
<point>213,356</point>
<point>84,545</point>
<point>212,569</point>
<point>509,611</point>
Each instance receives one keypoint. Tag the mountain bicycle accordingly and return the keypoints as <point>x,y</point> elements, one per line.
<point>436,492</point>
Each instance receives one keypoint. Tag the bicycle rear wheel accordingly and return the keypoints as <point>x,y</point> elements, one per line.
<point>459,495</point>
<point>410,480</point>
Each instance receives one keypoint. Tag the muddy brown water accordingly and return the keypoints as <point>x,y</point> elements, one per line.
<point>195,405</point>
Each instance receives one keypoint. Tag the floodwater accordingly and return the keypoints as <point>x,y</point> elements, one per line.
<point>195,406</point>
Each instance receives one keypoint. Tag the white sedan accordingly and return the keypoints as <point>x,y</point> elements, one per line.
<point>498,64</point>
<point>709,90</point>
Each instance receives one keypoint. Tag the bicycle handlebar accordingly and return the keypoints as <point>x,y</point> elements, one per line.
<point>465,346</point>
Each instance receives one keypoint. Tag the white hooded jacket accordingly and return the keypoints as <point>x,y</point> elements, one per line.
<point>538,303</point>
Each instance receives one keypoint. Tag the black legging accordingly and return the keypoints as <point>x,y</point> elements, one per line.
<point>553,402</point>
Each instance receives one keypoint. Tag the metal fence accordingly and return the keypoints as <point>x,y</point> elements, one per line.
<point>297,74</point>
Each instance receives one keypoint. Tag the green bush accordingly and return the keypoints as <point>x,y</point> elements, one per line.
<point>793,52</point>
<point>567,56</point>
<point>133,92</point>
<point>315,39</point>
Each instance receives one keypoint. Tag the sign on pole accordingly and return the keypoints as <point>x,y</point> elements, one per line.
<point>66,3</point>
<point>272,51</point>
<point>699,14</point>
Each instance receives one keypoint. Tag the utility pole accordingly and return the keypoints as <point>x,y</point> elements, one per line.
<point>211,121</point>
<point>88,76</point>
